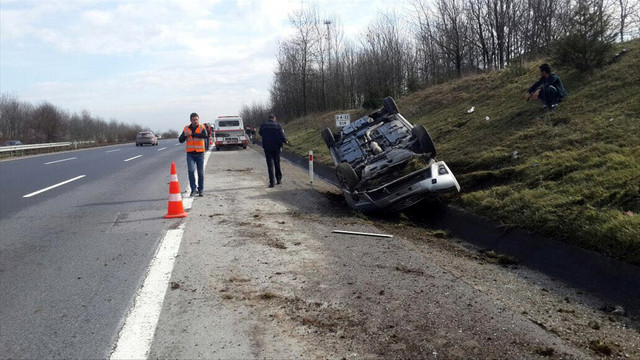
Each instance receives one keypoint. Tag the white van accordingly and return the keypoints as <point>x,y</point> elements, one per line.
<point>229,131</point>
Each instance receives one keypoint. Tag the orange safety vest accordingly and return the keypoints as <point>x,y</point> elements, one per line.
<point>194,144</point>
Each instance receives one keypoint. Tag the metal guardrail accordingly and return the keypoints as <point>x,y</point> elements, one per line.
<point>41,146</point>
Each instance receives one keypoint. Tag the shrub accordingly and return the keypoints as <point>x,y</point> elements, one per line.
<point>589,40</point>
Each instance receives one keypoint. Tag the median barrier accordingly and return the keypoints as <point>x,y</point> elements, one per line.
<point>29,147</point>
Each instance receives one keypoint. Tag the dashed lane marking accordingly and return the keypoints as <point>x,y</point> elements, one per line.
<point>135,157</point>
<point>161,149</point>
<point>53,186</point>
<point>108,151</point>
<point>57,161</point>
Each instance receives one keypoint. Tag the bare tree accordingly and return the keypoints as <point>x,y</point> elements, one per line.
<point>625,9</point>
<point>305,39</point>
<point>13,116</point>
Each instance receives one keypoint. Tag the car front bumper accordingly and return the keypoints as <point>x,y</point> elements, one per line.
<point>406,191</point>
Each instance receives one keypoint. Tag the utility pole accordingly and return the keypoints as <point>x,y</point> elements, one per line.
<point>328,24</point>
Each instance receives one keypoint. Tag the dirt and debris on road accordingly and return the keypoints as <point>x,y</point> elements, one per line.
<point>261,275</point>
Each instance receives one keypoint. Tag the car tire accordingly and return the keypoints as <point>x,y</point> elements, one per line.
<point>244,147</point>
<point>217,148</point>
<point>347,176</point>
<point>327,135</point>
<point>425,143</point>
<point>390,105</point>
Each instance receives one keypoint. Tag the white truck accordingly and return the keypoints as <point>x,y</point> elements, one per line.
<point>229,131</point>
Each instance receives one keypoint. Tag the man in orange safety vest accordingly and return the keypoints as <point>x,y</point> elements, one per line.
<point>195,136</point>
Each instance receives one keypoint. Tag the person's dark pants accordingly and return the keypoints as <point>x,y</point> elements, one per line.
<point>206,144</point>
<point>195,160</point>
<point>549,95</point>
<point>273,161</point>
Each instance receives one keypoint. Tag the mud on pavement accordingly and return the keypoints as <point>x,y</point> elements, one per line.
<point>260,275</point>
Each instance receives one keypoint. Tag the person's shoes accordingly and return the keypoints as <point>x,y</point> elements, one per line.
<point>545,107</point>
<point>554,106</point>
<point>279,181</point>
<point>192,194</point>
<point>270,185</point>
<point>200,194</point>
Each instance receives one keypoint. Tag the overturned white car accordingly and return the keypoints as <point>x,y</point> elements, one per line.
<point>385,163</point>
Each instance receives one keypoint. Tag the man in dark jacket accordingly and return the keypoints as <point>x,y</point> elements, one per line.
<point>272,140</point>
<point>549,89</point>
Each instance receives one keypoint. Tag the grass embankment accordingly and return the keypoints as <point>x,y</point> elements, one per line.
<point>577,170</point>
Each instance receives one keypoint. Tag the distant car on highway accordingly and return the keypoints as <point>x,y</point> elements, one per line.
<point>146,137</point>
<point>12,143</point>
<point>385,163</point>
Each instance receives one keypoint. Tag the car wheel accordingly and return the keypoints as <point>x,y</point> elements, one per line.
<point>347,176</point>
<point>337,135</point>
<point>425,144</point>
<point>390,105</point>
<point>244,147</point>
<point>217,148</point>
<point>327,135</point>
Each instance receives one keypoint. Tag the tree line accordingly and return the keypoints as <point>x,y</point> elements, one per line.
<point>319,69</point>
<point>46,123</point>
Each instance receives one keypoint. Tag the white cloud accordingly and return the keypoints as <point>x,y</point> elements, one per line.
<point>97,17</point>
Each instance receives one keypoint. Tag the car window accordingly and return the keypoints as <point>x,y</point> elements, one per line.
<point>229,123</point>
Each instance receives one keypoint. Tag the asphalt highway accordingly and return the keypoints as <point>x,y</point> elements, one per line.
<point>77,232</point>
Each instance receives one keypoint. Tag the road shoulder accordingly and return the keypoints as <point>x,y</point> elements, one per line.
<point>260,275</point>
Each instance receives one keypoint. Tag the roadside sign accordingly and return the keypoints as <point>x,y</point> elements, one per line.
<point>343,120</point>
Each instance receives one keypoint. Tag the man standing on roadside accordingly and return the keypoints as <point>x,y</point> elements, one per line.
<point>549,89</point>
<point>272,140</point>
<point>207,141</point>
<point>195,135</point>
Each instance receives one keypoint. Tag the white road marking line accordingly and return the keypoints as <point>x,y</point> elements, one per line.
<point>54,186</point>
<point>135,157</point>
<point>57,161</point>
<point>161,149</point>
<point>108,151</point>
<point>177,144</point>
<point>187,202</point>
<point>136,336</point>
<point>206,158</point>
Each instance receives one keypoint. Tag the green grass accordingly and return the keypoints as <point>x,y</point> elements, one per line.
<point>577,174</point>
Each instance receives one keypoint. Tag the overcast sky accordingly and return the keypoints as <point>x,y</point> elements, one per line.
<point>151,62</point>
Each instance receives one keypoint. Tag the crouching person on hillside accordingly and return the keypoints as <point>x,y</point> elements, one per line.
<point>549,89</point>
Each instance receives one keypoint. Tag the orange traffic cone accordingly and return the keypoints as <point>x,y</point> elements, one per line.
<point>175,199</point>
